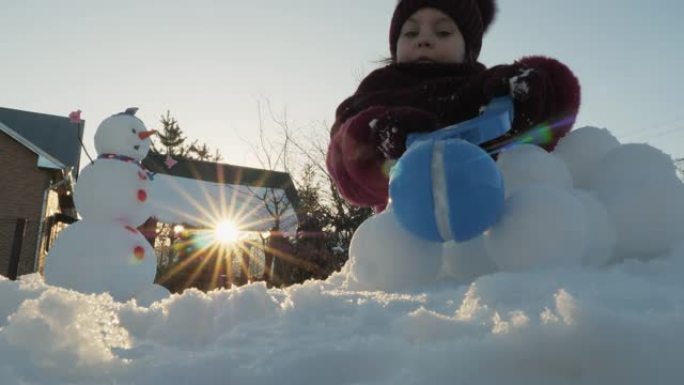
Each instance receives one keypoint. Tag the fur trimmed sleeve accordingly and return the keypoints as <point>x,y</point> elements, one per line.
<point>354,163</point>
<point>561,97</point>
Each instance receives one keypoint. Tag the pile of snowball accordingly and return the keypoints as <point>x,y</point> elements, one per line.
<point>591,203</point>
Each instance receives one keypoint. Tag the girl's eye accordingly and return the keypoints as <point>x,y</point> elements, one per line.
<point>411,33</point>
<point>444,33</point>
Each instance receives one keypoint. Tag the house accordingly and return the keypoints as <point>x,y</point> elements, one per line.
<point>39,155</point>
<point>198,195</point>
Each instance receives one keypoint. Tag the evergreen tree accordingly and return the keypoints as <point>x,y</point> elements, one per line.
<point>326,226</point>
<point>171,137</point>
<point>203,153</point>
<point>313,243</point>
<point>172,141</point>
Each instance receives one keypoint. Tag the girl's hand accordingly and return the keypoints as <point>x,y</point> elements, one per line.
<point>391,128</point>
<point>527,86</point>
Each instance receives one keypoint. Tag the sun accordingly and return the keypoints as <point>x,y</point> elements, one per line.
<point>226,232</point>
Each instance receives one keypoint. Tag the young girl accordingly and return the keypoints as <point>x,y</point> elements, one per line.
<point>434,80</point>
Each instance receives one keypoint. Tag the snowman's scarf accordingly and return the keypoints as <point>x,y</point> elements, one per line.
<point>128,159</point>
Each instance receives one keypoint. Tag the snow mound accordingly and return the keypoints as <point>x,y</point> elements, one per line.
<point>580,283</point>
<point>621,325</point>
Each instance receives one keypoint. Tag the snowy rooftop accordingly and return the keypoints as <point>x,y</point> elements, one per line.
<point>191,201</point>
<point>203,193</point>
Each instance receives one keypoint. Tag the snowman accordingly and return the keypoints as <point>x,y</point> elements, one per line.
<point>104,252</point>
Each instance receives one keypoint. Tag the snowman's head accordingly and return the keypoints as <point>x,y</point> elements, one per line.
<point>123,134</point>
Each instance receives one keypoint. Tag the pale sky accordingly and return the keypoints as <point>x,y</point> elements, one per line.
<point>209,62</point>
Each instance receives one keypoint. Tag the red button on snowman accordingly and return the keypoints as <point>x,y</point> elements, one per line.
<point>104,252</point>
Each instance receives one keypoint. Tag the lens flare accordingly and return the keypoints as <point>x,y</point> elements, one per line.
<point>226,232</point>
<point>543,133</point>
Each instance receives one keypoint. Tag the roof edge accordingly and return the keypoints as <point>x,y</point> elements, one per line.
<point>32,147</point>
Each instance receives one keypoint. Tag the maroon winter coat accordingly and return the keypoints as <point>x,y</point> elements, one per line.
<point>442,94</point>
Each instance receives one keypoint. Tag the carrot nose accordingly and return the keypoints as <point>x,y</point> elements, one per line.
<point>146,134</point>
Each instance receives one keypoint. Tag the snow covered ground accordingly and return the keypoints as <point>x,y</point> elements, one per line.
<point>623,325</point>
<point>580,283</point>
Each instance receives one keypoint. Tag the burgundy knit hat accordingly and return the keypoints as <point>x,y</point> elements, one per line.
<point>473,17</point>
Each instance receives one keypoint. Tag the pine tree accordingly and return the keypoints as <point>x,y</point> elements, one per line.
<point>312,242</point>
<point>203,153</point>
<point>172,141</point>
<point>171,137</point>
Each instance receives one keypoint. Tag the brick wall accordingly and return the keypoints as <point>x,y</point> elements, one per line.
<point>22,185</point>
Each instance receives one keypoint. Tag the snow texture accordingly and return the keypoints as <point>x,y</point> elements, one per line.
<point>571,300</point>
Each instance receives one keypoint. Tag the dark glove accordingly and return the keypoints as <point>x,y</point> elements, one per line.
<point>527,86</point>
<point>391,128</point>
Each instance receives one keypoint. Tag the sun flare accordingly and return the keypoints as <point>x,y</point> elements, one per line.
<point>226,232</point>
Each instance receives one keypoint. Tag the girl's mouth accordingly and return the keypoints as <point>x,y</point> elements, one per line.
<point>424,60</point>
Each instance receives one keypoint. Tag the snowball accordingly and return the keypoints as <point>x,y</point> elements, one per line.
<point>113,190</point>
<point>639,187</point>
<point>528,164</point>
<point>542,227</point>
<point>101,257</point>
<point>582,149</point>
<point>648,218</point>
<point>463,262</point>
<point>630,166</point>
<point>384,256</point>
<point>602,236</point>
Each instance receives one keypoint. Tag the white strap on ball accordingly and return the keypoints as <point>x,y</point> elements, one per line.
<point>439,191</point>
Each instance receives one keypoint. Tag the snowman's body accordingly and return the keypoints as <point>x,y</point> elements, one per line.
<point>113,190</point>
<point>97,257</point>
<point>104,252</point>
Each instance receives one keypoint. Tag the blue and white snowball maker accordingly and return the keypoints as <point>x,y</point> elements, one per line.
<point>446,190</point>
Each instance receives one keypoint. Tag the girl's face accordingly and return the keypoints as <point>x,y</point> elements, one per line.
<point>430,36</point>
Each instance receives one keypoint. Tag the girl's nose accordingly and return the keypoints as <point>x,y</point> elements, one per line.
<point>424,42</point>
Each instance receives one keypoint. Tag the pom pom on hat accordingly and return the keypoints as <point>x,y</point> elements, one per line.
<point>487,12</point>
